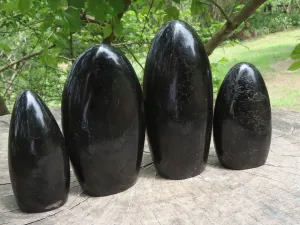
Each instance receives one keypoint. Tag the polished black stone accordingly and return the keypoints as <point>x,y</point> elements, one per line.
<point>103,121</point>
<point>178,101</point>
<point>38,164</point>
<point>242,120</point>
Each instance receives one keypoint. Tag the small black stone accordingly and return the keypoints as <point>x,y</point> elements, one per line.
<point>178,101</point>
<point>242,119</point>
<point>103,121</point>
<point>38,164</point>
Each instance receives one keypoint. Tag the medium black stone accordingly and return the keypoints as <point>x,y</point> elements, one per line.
<point>103,121</point>
<point>178,101</point>
<point>38,164</point>
<point>242,120</point>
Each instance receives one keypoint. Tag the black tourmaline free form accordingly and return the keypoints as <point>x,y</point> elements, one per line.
<point>178,101</point>
<point>38,164</point>
<point>242,119</point>
<point>103,121</point>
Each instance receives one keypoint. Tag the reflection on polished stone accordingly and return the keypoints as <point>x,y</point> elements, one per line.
<point>178,101</point>
<point>242,120</point>
<point>38,164</point>
<point>103,121</point>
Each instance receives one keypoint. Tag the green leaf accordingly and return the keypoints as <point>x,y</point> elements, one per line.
<point>54,4</point>
<point>207,16</point>
<point>107,30</point>
<point>9,7</point>
<point>98,8</point>
<point>101,12</point>
<point>118,5</point>
<point>93,4</point>
<point>172,12</point>
<point>167,18</point>
<point>239,6</point>
<point>295,56</point>
<point>24,5</point>
<point>177,1</point>
<point>295,66</point>
<point>48,59</point>
<point>4,47</point>
<point>77,3</point>
<point>48,22</point>
<point>143,10</point>
<point>159,4</point>
<point>196,7</point>
<point>60,39</point>
<point>118,28</point>
<point>72,18</point>
<point>223,60</point>
<point>296,52</point>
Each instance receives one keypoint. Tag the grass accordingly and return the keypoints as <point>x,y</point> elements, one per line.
<point>291,99</point>
<point>261,52</point>
<point>269,54</point>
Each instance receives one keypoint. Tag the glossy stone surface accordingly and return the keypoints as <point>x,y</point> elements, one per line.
<point>103,121</point>
<point>38,164</point>
<point>178,101</point>
<point>242,120</point>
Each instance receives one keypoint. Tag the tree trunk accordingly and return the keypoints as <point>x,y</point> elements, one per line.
<point>231,25</point>
<point>3,107</point>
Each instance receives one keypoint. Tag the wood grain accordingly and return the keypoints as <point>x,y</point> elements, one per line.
<point>266,195</point>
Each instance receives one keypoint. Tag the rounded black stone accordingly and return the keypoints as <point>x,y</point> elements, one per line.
<point>103,121</point>
<point>38,164</point>
<point>242,119</point>
<point>178,101</point>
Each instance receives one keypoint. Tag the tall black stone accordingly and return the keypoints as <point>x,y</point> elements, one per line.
<point>242,120</point>
<point>178,101</point>
<point>38,164</point>
<point>103,121</point>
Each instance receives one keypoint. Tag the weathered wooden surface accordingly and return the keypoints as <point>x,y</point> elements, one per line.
<point>265,195</point>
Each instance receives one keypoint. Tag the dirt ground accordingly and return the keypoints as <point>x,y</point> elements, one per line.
<point>284,86</point>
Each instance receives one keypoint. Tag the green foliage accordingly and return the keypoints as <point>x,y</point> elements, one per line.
<point>275,22</point>
<point>24,5</point>
<point>279,2</point>
<point>54,4</point>
<point>295,66</point>
<point>77,3</point>
<point>217,75</point>
<point>295,55</point>
<point>196,7</point>
<point>117,5</point>
<point>4,47</point>
<point>171,13</point>
<point>284,14</point>
<point>118,27</point>
<point>264,53</point>
<point>28,26</point>
<point>107,30</point>
<point>72,18</point>
<point>296,52</point>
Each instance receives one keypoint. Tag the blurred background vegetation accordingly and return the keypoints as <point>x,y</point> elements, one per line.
<point>40,39</point>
